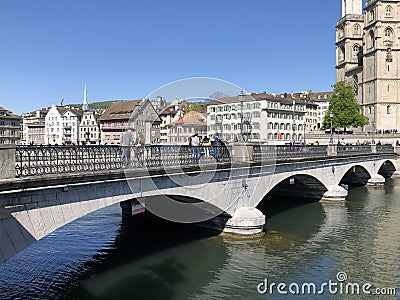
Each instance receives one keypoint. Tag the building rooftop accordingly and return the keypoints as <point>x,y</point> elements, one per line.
<point>7,114</point>
<point>121,110</point>
<point>192,118</point>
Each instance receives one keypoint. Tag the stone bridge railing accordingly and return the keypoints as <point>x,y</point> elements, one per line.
<point>23,161</point>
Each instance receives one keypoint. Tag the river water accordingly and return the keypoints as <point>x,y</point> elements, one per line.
<point>102,257</point>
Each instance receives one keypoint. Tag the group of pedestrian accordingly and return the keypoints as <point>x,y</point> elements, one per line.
<point>382,131</point>
<point>206,144</point>
<point>132,142</point>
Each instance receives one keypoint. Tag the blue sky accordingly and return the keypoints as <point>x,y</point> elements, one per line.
<point>126,48</point>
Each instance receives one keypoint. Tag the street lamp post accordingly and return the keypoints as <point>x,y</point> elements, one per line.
<point>373,132</point>
<point>294,123</point>
<point>331,139</point>
<point>241,100</point>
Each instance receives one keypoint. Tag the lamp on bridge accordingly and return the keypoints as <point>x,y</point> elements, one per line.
<point>331,114</point>
<point>294,123</point>
<point>373,132</point>
<point>242,97</point>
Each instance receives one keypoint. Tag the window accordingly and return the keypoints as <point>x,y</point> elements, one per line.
<point>356,49</point>
<point>341,54</point>
<point>388,13</point>
<point>388,34</point>
<point>371,16</point>
<point>371,40</point>
<point>341,32</point>
<point>369,110</point>
<point>388,109</point>
<point>356,29</point>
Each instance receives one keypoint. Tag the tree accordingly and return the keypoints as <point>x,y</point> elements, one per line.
<point>345,108</point>
<point>195,107</point>
<point>184,106</point>
<point>218,95</point>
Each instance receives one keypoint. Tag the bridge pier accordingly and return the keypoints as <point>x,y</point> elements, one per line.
<point>335,193</point>
<point>376,180</point>
<point>246,221</point>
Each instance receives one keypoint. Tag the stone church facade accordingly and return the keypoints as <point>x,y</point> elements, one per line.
<point>368,56</point>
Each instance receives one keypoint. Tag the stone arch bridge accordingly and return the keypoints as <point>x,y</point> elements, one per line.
<point>231,181</point>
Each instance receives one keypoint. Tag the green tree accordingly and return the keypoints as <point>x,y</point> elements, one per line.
<point>345,108</point>
<point>195,107</point>
<point>184,106</point>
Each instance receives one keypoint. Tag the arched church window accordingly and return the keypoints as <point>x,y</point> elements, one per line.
<point>371,15</point>
<point>355,84</point>
<point>388,109</point>
<point>371,40</point>
<point>341,53</point>
<point>356,29</point>
<point>388,13</point>
<point>356,49</point>
<point>389,34</point>
<point>341,31</point>
<point>369,110</point>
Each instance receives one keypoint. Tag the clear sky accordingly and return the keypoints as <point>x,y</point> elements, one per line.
<point>127,48</point>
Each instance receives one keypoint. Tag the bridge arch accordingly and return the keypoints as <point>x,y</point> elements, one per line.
<point>387,169</point>
<point>298,186</point>
<point>356,175</point>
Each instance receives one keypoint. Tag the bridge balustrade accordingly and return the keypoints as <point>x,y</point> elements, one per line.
<point>48,159</point>
<point>384,149</point>
<point>272,152</point>
<point>344,150</point>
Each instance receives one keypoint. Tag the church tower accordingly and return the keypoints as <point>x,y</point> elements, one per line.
<point>351,7</point>
<point>381,92</point>
<point>368,56</point>
<point>349,40</point>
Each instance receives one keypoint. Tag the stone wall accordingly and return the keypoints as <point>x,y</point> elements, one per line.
<point>7,162</point>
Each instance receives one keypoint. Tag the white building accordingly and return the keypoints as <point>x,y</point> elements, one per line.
<point>89,128</point>
<point>262,117</point>
<point>71,120</point>
<point>61,125</point>
<point>53,125</point>
<point>322,100</point>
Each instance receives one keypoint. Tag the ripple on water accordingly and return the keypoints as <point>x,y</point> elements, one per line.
<point>100,257</point>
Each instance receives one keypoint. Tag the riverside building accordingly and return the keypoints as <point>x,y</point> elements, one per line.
<point>277,119</point>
